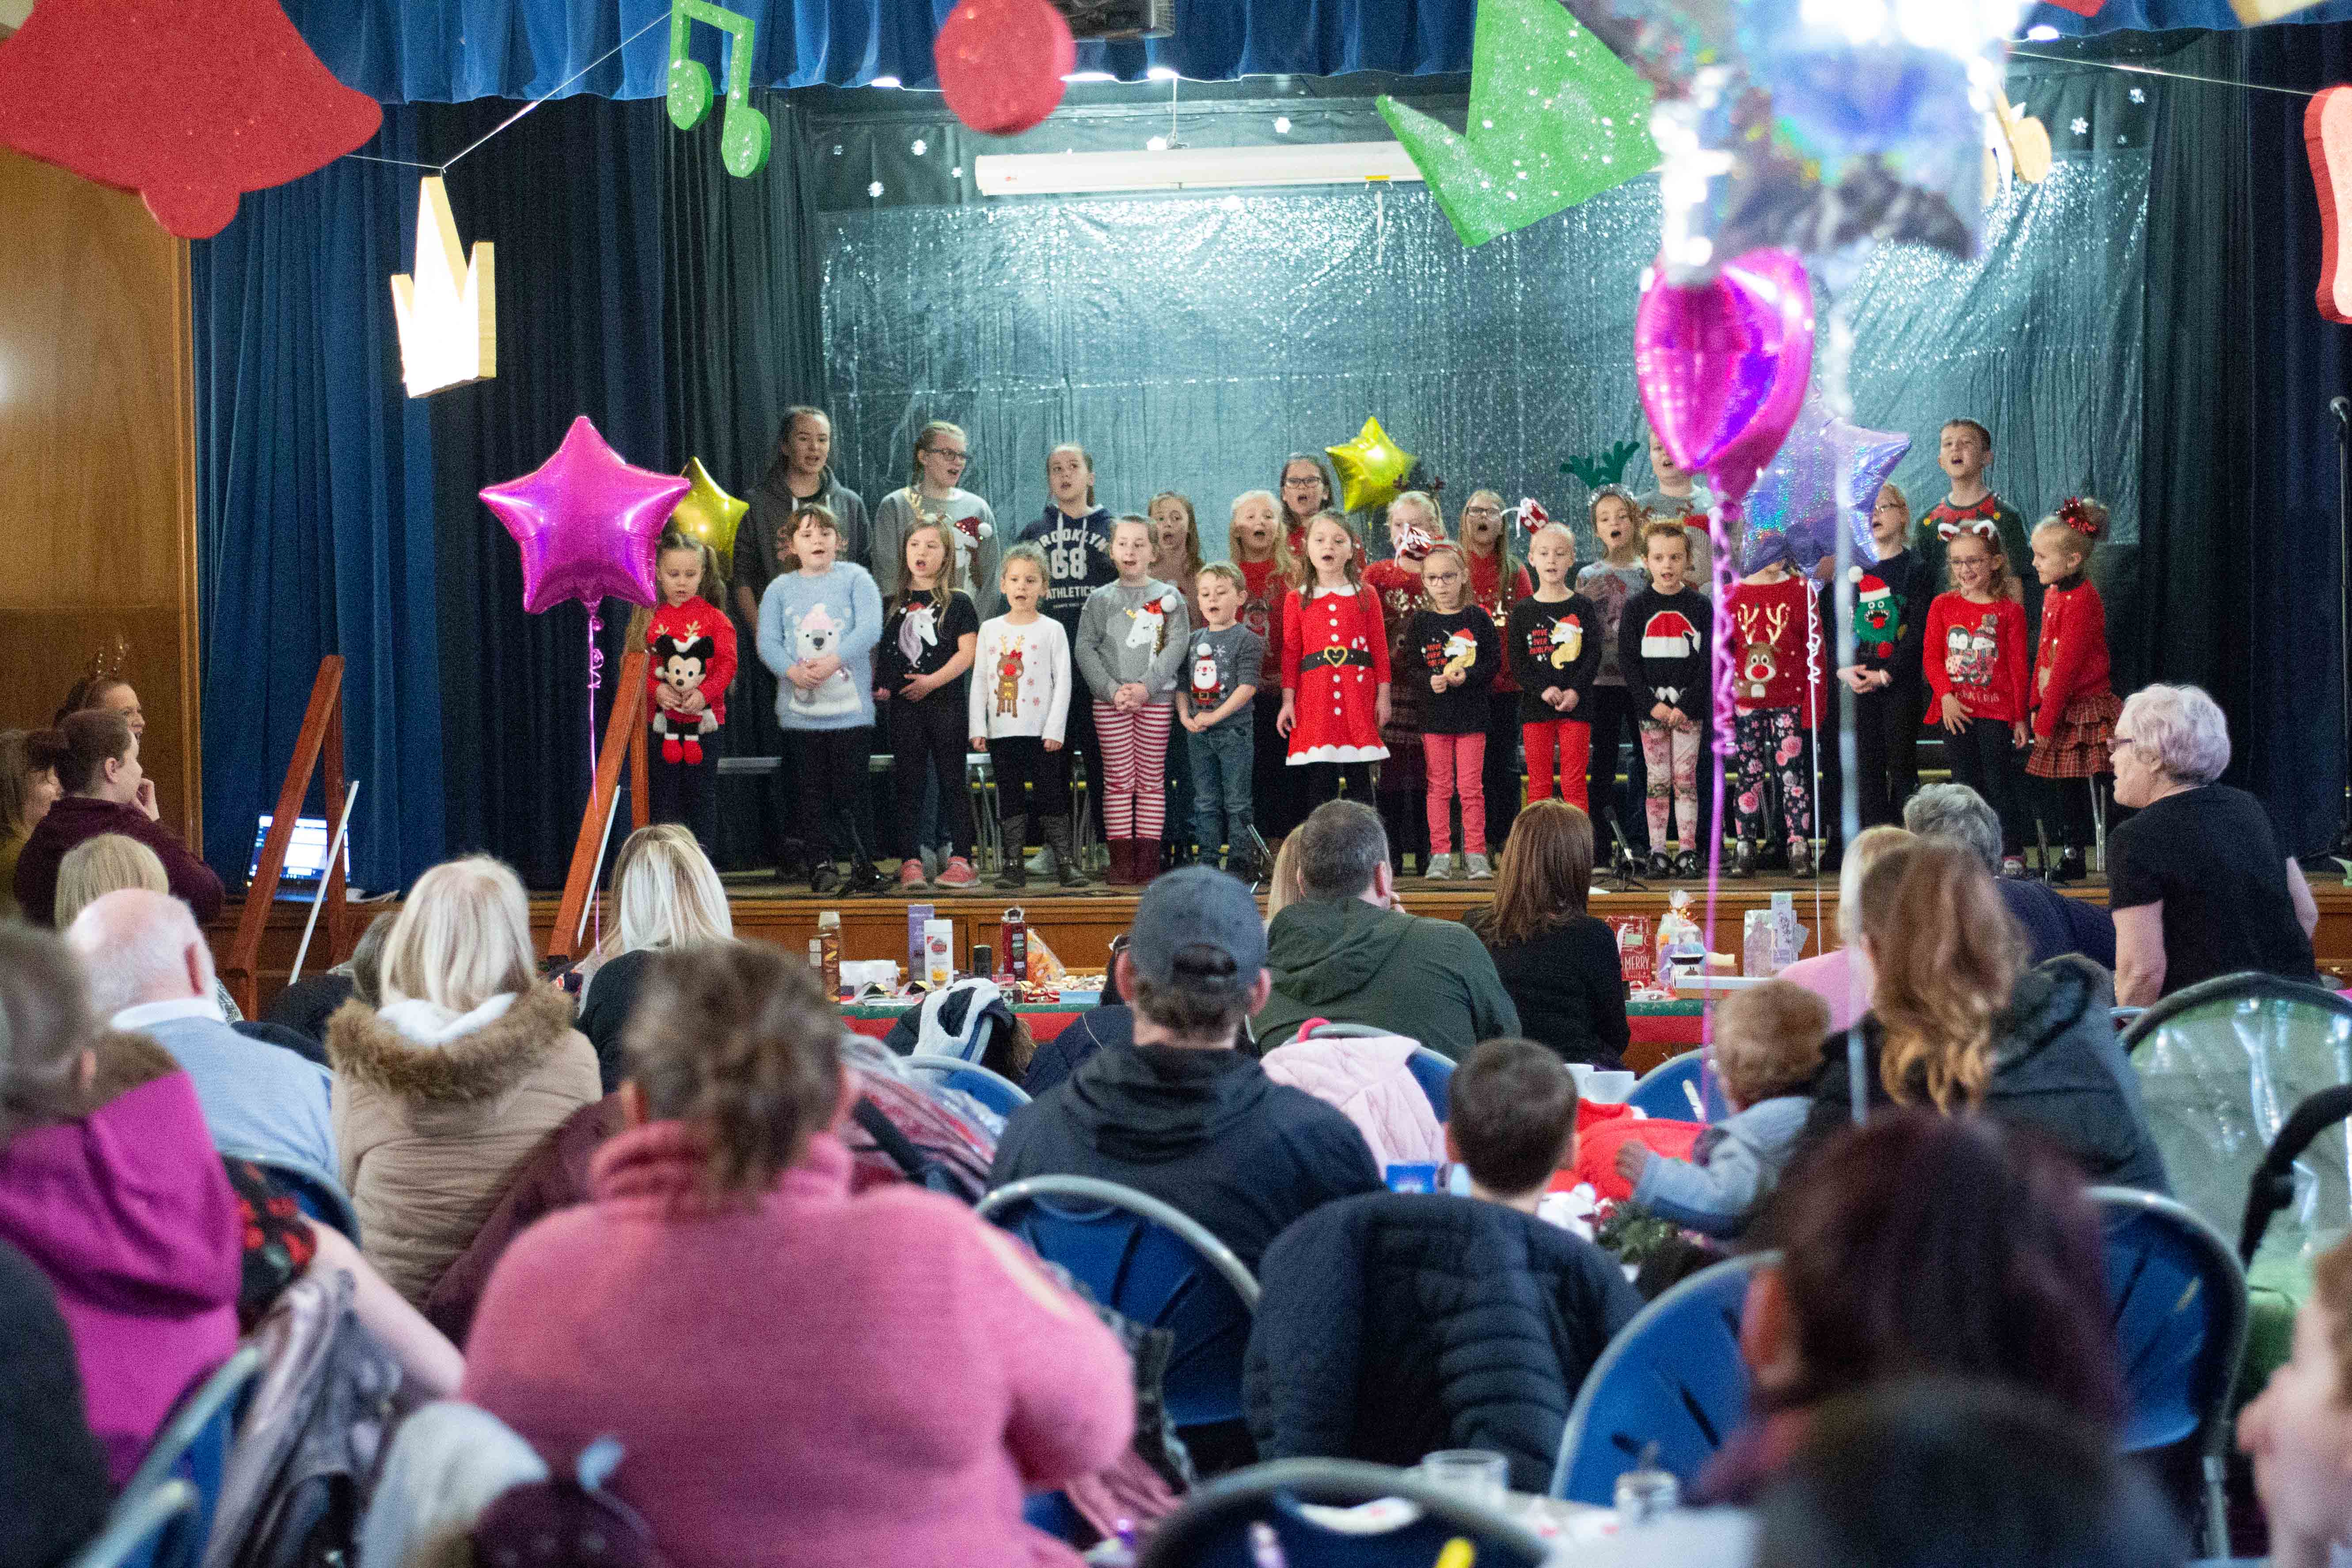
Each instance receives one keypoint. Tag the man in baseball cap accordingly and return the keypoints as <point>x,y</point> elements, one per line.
<point>1181,1114</point>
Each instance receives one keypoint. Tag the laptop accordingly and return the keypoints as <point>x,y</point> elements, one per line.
<point>306,859</point>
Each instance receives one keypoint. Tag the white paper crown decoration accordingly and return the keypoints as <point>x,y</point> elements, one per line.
<point>448,312</point>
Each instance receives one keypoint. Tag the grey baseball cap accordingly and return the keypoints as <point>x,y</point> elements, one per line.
<point>1196,907</point>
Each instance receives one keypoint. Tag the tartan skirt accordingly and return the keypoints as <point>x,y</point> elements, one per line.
<point>2077,749</point>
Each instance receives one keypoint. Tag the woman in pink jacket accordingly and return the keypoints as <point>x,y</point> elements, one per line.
<point>796,1375</point>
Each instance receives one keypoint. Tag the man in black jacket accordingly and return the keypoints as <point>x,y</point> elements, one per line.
<point>1181,1114</point>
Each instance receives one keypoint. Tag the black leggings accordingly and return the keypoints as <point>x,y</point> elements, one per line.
<point>2065,805</point>
<point>834,787</point>
<point>684,792</point>
<point>1612,708</point>
<point>928,745</point>
<point>1503,776</point>
<point>1983,757</point>
<point>1886,751</point>
<point>1319,782</point>
<point>1274,781</point>
<point>1023,761</point>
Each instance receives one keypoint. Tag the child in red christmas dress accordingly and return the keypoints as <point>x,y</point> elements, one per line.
<point>1335,674</point>
<point>2074,708</point>
<point>689,660</point>
<point>1778,689</point>
<point>1976,664</point>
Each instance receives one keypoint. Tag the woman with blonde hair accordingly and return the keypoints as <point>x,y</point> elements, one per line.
<point>1841,975</point>
<point>1557,963</point>
<point>669,897</point>
<point>442,1093</point>
<point>1959,1025</point>
<point>109,863</point>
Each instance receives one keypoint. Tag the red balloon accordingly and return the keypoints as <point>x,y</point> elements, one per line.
<point>1001,63</point>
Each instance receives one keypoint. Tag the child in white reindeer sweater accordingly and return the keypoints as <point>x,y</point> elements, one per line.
<point>1018,712</point>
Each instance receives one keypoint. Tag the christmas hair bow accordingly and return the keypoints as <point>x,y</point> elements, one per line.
<point>2085,517</point>
<point>1414,542</point>
<point>1984,528</point>
<point>1531,514</point>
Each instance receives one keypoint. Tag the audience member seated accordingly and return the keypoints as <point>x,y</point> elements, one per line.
<point>306,1005</point>
<point>2052,922</point>
<point>54,1492</point>
<point>151,972</point>
<point>1399,1323</point>
<point>1371,1082</point>
<point>1558,963</point>
<point>1282,883</point>
<point>1921,1246</point>
<point>1841,976</point>
<point>1938,1471</point>
<point>121,1202</point>
<point>444,1091</point>
<point>1181,1114</point>
<point>795,1375</point>
<point>1054,1060</point>
<point>28,787</point>
<point>2195,876</point>
<point>105,792</point>
<point>671,896</point>
<point>2298,1431</point>
<point>1344,952</point>
<point>1953,1025</point>
<point>95,693</point>
<point>108,864</point>
<point>1768,1048</point>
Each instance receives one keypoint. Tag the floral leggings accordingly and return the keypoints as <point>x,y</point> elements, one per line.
<point>1775,754</point>
<point>1670,755</point>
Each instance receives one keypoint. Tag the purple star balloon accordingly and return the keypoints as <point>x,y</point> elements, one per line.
<point>586,522</point>
<point>1793,513</point>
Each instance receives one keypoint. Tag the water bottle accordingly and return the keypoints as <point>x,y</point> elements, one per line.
<point>1646,1492</point>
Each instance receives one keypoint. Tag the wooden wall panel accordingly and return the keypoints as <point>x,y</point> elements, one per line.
<point>98,538</point>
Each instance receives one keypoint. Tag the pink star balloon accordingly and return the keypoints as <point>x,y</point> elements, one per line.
<point>586,520</point>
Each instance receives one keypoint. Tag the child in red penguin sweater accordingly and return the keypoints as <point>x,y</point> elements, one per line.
<point>1974,662</point>
<point>2074,708</point>
<point>689,660</point>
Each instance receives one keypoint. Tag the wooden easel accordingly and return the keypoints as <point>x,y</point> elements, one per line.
<point>625,734</point>
<point>321,738</point>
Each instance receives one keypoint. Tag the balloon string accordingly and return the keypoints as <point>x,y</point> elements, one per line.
<point>1814,709</point>
<point>595,681</point>
<point>1720,521</point>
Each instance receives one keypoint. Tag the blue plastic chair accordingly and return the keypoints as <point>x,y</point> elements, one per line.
<point>1153,1264</point>
<point>1680,1089</point>
<point>2178,1299</point>
<point>316,1194</point>
<point>1672,1376</point>
<point>992,1089</point>
<point>136,1528</point>
<point>194,1448</point>
<point>1434,1073</point>
<point>1212,1528</point>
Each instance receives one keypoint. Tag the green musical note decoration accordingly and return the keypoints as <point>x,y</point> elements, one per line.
<point>1599,469</point>
<point>744,134</point>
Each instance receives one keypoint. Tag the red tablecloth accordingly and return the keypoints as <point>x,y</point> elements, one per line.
<point>1042,1025</point>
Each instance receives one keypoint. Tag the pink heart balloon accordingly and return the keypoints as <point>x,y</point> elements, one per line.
<point>1714,363</point>
<point>586,522</point>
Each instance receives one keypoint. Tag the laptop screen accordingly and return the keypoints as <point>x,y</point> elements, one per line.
<point>306,852</point>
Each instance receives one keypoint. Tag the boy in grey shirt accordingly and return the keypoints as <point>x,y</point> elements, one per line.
<point>1222,669</point>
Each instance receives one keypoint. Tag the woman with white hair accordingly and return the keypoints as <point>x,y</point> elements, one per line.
<point>2195,877</point>
<point>443,1093</point>
<point>670,898</point>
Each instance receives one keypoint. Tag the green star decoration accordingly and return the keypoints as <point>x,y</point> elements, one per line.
<point>1554,118</point>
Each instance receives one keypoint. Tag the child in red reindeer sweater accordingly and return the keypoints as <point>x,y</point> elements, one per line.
<point>1778,689</point>
<point>2074,708</point>
<point>689,661</point>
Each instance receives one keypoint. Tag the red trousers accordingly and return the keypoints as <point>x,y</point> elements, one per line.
<point>1562,744</point>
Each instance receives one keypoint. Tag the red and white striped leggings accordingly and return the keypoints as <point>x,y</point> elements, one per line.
<point>1135,769</point>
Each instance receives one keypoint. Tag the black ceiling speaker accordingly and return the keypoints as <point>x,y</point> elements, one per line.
<point>1118,18</point>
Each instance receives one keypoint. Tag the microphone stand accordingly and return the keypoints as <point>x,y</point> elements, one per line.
<point>1621,864</point>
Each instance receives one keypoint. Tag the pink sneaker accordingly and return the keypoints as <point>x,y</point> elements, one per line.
<point>910,874</point>
<point>957,873</point>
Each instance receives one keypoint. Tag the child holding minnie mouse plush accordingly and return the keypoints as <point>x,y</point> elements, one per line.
<point>2074,708</point>
<point>690,659</point>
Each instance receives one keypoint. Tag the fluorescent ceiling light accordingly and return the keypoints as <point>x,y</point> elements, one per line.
<point>2043,34</point>
<point>1090,76</point>
<point>884,81</point>
<point>1162,73</point>
<point>1191,168</point>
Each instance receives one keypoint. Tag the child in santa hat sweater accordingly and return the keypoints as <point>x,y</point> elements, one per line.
<point>1663,640</point>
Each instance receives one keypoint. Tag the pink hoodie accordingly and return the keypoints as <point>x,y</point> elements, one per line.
<point>815,1379</point>
<point>129,1214</point>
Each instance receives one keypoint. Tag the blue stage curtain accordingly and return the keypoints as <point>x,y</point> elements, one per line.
<point>315,526</point>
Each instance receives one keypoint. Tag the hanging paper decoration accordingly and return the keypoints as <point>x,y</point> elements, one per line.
<point>1595,469</point>
<point>1794,511</point>
<point>447,310</point>
<point>1001,63</point>
<point>2327,141</point>
<point>586,522</point>
<point>1554,118</point>
<point>1371,469</point>
<point>744,134</point>
<point>708,515</point>
<point>190,105</point>
<point>2027,137</point>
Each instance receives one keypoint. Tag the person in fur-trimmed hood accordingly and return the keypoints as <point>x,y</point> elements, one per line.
<point>440,1097</point>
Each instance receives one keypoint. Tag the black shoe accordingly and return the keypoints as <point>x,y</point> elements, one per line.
<point>826,879</point>
<point>1660,867</point>
<point>1800,858</point>
<point>2070,866</point>
<point>1743,860</point>
<point>867,879</point>
<point>1686,867</point>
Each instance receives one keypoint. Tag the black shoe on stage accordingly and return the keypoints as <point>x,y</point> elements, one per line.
<point>825,880</point>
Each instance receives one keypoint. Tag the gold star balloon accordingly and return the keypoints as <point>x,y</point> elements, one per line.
<point>1371,467</point>
<point>708,515</point>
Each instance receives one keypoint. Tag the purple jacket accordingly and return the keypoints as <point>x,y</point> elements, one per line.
<point>129,1212</point>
